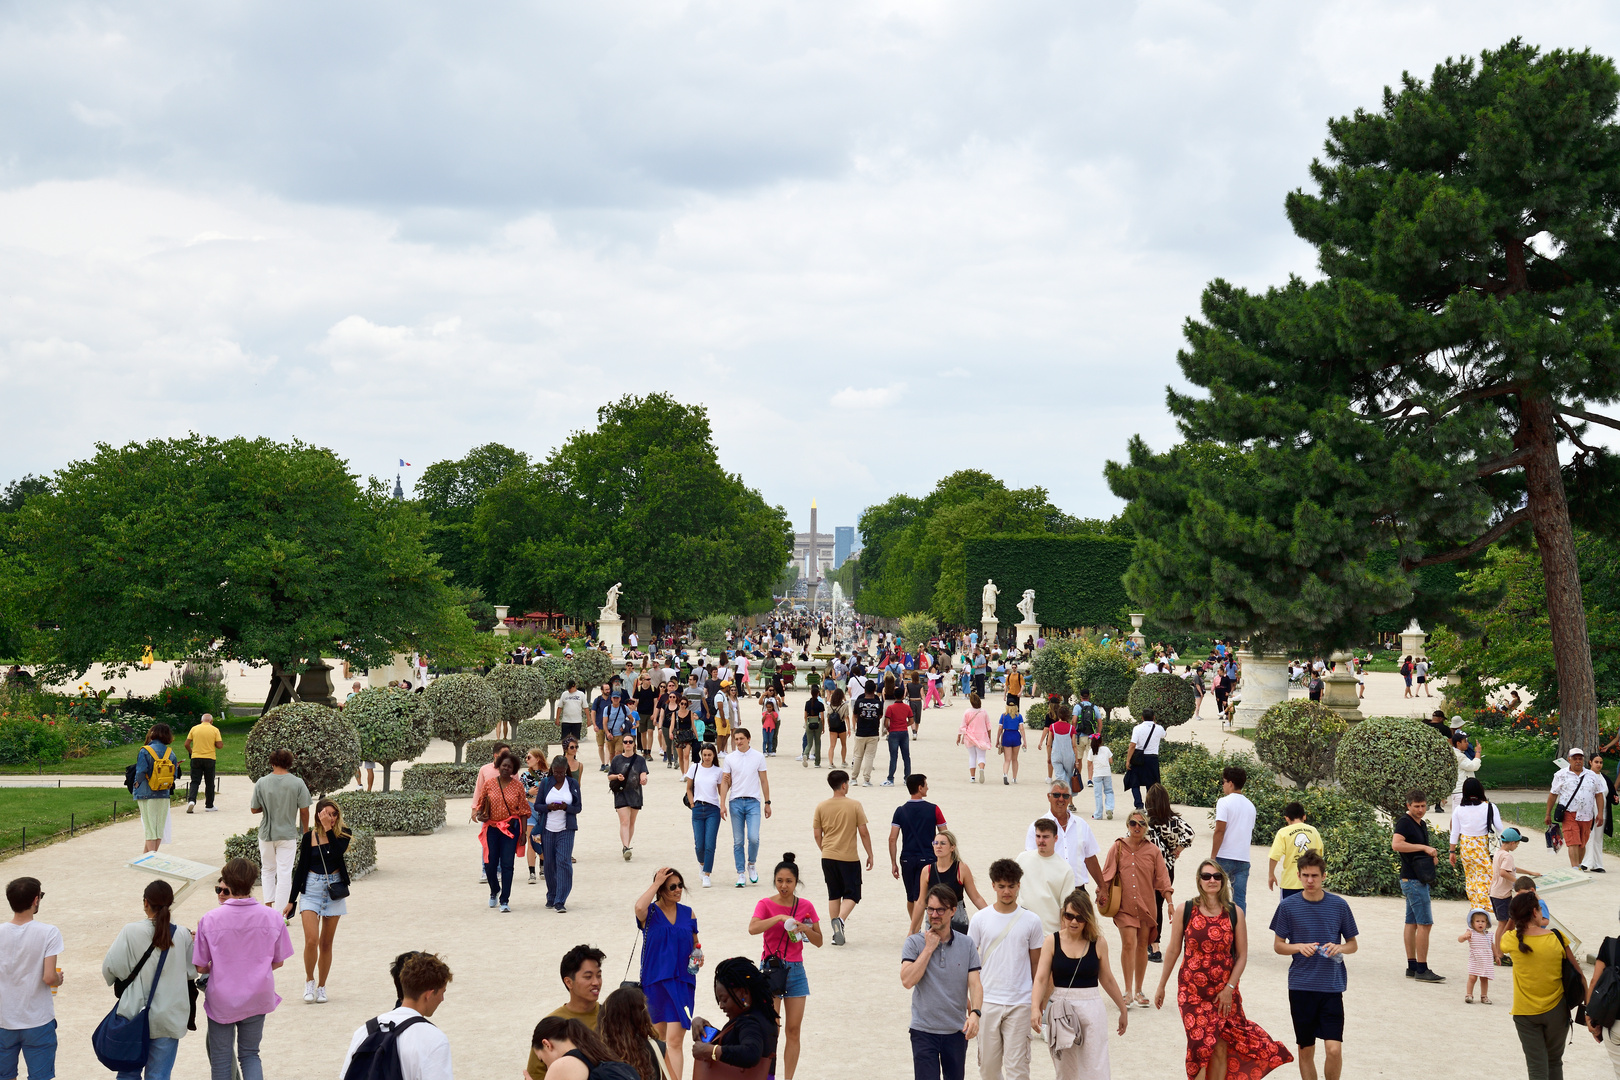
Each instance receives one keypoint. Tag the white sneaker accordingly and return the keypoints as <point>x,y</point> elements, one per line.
<point>309,992</point>
<point>320,995</point>
<point>706,882</point>
<point>191,807</point>
<point>740,882</point>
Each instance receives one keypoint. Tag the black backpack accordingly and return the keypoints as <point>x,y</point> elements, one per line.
<point>377,1056</point>
<point>1088,716</point>
<point>1603,1009</point>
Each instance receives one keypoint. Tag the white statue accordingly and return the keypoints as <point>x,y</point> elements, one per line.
<point>988,600</point>
<point>1026,606</point>
<point>610,610</point>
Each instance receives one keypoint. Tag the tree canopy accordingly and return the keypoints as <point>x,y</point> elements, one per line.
<point>249,549</point>
<point>1415,397</point>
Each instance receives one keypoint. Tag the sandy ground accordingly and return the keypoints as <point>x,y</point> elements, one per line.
<point>425,895</point>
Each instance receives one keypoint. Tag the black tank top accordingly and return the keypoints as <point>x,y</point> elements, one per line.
<point>948,878</point>
<point>1067,972</point>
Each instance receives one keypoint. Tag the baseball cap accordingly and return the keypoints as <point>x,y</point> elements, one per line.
<point>1510,835</point>
<point>1575,751</point>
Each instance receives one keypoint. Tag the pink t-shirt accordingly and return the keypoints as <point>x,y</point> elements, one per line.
<point>779,942</point>
<point>241,938</point>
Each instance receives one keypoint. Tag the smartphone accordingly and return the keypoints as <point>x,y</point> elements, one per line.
<point>710,1033</point>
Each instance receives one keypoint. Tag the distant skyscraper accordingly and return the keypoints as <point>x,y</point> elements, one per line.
<point>843,543</point>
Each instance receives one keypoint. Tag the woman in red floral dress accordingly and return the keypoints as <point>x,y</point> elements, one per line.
<point>1221,1041</point>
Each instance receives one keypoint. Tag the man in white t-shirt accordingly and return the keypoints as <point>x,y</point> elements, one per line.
<point>1076,842</point>
<point>1234,832</point>
<point>744,791</point>
<point>571,706</point>
<point>1009,939</point>
<point>28,953</point>
<point>1048,880</point>
<point>1142,759</point>
<point>424,1050</point>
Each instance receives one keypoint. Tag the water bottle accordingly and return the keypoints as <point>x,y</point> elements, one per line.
<point>57,987</point>
<point>696,960</point>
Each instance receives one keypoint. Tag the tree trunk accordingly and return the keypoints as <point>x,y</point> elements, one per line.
<point>387,766</point>
<point>1566,612</point>
<point>459,745</point>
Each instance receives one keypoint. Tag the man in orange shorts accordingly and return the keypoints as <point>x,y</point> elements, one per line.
<point>1576,790</point>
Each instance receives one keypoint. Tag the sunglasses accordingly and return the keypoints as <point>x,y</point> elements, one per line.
<point>1136,824</point>
<point>1069,916</point>
<point>1059,798</point>
<point>220,890</point>
<point>1210,877</point>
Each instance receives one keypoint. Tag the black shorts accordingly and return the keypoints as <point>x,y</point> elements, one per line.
<point>1318,1014</point>
<point>1499,907</point>
<point>843,879</point>
<point>911,874</point>
<point>571,730</point>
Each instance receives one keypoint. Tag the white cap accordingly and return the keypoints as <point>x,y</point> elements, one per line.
<point>1576,751</point>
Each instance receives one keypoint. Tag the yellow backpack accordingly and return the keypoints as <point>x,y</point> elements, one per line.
<point>162,778</point>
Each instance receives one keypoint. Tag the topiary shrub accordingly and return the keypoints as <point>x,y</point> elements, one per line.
<point>1324,807</point>
<point>461,707</point>
<point>394,813</point>
<point>593,667</point>
<point>393,725</point>
<point>522,690</point>
<point>1299,739</point>
<point>557,671</point>
<point>1169,696</point>
<point>324,746</point>
<point>916,630</point>
<point>1381,759</point>
<point>1035,716</point>
<point>710,632</point>
<point>1049,667</point>
<point>451,781</point>
<point>539,734</point>
<point>361,857</point>
<point>1107,672</point>
<point>1193,778</point>
<point>1360,862</point>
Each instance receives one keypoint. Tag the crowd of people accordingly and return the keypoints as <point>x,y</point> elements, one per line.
<point>1016,957</point>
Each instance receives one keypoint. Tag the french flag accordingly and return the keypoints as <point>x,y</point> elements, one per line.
<point>404,464</point>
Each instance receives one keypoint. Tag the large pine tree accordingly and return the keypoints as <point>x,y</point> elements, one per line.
<point>1416,397</point>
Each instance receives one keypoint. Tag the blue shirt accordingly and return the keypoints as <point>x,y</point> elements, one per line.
<point>1328,921</point>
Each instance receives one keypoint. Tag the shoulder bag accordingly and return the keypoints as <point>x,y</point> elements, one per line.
<point>335,889</point>
<point>122,1045</point>
<point>1108,905</point>
<point>641,933</point>
<point>1603,1008</point>
<point>1574,982</point>
<point>775,968</point>
<point>1561,807</point>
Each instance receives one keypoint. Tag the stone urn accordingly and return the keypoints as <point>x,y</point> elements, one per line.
<point>1265,682</point>
<point>1339,693</point>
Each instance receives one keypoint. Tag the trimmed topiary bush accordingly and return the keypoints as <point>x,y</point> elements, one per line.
<point>361,858</point>
<point>1107,672</point>
<point>393,813</point>
<point>543,734</point>
<point>461,707</point>
<point>593,667</point>
<point>1381,759</point>
<point>557,671</point>
<point>393,725</point>
<point>1035,716</point>
<point>916,630</point>
<point>324,746</point>
<point>1171,698</point>
<point>1360,862</point>
<point>1299,738</point>
<point>710,632</point>
<point>1049,667</point>
<point>1193,778</point>
<point>1325,808</point>
<point>522,690</point>
<point>451,781</point>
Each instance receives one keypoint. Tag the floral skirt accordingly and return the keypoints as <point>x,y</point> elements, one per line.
<point>1476,865</point>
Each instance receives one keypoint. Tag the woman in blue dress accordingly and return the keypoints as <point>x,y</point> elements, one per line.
<point>670,958</point>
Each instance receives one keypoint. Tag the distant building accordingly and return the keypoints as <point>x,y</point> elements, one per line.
<point>801,552</point>
<point>843,544</point>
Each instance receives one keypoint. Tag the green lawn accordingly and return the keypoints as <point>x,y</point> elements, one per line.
<point>47,812</point>
<point>1528,816</point>
<point>113,760</point>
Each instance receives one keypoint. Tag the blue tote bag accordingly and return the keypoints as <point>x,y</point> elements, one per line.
<point>121,1044</point>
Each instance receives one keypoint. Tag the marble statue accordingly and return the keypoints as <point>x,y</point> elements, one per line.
<point>988,600</point>
<point>610,610</point>
<point>1026,606</point>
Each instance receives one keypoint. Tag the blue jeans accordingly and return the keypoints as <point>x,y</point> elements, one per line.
<point>502,852</point>
<point>705,833</point>
<point>770,734</point>
<point>557,848</point>
<point>938,1057</point>
<point>1418,910</point>
<point>899,746</point>
<point>1102,786</point>
<point>1238,871</point>
<point>159,1061</point>
<point>744,823</point>
<point>37,1045</point>
<point>239,1040</point>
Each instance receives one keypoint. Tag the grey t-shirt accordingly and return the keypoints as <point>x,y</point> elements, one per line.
<point>939,1001</point>
<point>280,796</point>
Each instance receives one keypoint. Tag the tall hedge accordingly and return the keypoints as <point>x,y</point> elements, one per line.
<point>324,746</point>
<point>1077,579</point>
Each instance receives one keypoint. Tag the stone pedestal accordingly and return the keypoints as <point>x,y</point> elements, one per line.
<point>1340,689</point>
<point>1265,682</point>
<point>1412,640</point>
<point>315,684</point>
<point>988,629</point>
<point>1027,632</point>
<point>501,629</point>
<point>612,632</point>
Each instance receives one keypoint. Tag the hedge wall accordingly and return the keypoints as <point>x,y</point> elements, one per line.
<point>451,781</point>
<point>1077,579</point>
<point>361,858</point>
<point>392,813</point>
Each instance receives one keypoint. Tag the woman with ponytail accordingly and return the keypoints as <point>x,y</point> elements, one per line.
<point>1539,1014</point>
<point>133,962</point>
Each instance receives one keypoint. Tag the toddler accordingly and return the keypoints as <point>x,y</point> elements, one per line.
<point>1481,955</point>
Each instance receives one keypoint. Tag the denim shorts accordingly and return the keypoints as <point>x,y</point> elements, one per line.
<point>315,897</point>
<point>798,984</point>
<point>1418,911</point>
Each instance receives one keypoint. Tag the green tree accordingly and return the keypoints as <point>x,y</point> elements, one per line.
<point>641,500</point>
<point>241,549</point>
<point>1415,397</point>
<point>450,492</point>
<point>462,707</point>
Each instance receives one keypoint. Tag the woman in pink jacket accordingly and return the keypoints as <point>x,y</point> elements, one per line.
<point>975,732</point>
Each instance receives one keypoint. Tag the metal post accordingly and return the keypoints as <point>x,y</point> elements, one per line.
<point>25,838</point>
<point>70,825</point>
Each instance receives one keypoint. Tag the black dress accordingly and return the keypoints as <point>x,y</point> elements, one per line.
<point>627,792</point>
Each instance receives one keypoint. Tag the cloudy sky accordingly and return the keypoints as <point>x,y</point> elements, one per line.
<point>880,241</point>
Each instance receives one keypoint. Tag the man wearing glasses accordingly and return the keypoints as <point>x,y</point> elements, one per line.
<point>941,969</point>
<point>1076,842</point>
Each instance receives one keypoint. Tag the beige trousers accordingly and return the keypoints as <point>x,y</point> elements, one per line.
<point>866,748</point>
<point>1004,1035</point>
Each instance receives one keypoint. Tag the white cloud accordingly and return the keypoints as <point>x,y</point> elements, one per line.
<point>870,397</point>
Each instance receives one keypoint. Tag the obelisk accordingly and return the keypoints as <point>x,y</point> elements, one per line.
<point>814,571</point>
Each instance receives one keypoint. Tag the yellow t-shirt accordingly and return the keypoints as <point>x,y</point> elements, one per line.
<point>205,741</point>
<point>537,1068</point>
<point>1288,845</point>
<point>1538,976</point>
